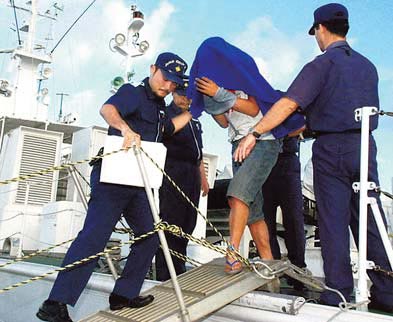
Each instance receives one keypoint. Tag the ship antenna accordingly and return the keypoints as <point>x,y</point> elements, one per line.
<point>73,24</point>
<point>16,21</point>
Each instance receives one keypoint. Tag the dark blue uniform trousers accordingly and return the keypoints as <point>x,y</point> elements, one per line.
<point>176,210</point>
<point>283,189</point>
<point>107,203</point>
<point>336,163</point>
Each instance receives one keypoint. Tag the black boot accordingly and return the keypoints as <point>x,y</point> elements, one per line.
<point>53,311</point>
<point>117,302</point>
<point>380,307</point>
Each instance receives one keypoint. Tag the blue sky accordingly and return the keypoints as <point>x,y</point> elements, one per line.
<point>273,32</point>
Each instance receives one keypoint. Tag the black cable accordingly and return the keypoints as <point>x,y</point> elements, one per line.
<point>386,113</point>
<point>387,194</point>
<point>73,24</point>
<point>16,22</point>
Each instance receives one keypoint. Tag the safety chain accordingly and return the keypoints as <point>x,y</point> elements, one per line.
<point>35,253</point>
<point>59,167</point>
<point>378,268</point>
<point>81,261</point>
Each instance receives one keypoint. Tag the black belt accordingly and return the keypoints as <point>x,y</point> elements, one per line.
<point>353,131</point>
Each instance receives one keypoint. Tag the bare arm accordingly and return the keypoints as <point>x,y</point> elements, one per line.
<point>247,106</point>
<point>221,120</point>
<point>113,118</point>
<point>276,115</point>
<point>204,183</point>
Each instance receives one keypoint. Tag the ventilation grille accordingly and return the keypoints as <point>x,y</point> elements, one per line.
<point>37,153</point>
<point>206,165</point>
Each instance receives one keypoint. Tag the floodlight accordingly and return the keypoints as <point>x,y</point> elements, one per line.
<point>120,39</point>
<point>44,91</point>
<point>47,72</point>
<point>143,46</point>
<point>4,85</point>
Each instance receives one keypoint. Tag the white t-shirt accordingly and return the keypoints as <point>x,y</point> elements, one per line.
<point>240,123</point>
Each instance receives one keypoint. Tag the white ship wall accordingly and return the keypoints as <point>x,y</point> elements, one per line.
<point>61,221</point>
<point>26,150</point>
<point>85,144</point>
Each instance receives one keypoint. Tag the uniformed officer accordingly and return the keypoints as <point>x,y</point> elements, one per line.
<point>184,165</point>
<point>283,189</point>
<point>328,90</point>
<point>136,113</point>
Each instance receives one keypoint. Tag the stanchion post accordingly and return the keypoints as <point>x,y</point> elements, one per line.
<point>81,194</point>
<point>184,312</point>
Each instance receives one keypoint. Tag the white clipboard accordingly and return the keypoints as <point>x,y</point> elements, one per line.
<point>122,167</point>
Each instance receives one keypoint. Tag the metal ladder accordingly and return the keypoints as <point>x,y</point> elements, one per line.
<point>205,289</point>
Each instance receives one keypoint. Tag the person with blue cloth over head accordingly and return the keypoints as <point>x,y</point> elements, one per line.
<point>229,86</point>
<point>135,113</point>
<point>328,90</point>
<point>184,165</point>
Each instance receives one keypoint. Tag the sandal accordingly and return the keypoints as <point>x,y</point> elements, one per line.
<point>232,267</point>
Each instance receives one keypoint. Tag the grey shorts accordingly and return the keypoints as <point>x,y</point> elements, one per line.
<point>250,175</point>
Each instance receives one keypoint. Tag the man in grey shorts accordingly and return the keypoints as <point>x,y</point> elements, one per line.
<point>245,189</point>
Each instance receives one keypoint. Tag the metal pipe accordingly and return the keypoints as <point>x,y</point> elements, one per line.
<point>22,230</point>
<point>382,230</point>
<point>2,132</point>
<point>83,198</point>
<point>363,114</point>
<point>32,27</point>
<point>184,312</point>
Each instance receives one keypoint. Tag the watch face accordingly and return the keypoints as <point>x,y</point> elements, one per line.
<point>256,134</point>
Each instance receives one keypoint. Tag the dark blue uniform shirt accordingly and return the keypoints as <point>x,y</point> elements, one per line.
<point>332,86</point>
<point>186,144</point>
<point>143,111</point>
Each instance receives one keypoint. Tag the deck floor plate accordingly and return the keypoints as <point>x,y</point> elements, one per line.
<point>205,289</point>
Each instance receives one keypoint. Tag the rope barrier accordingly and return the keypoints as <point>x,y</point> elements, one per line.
<point>185,196</point>
<point>78,262</point>
<point>386,113</point>
<point>34,254</point>
<point>56,168</point>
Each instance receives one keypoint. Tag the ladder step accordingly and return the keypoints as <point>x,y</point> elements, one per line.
<point>205,289</point>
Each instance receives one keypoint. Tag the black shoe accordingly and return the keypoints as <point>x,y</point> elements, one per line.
<point>53,311</point>
<point>297,285</point>
<point>117,302</point>
<point>377,306</point>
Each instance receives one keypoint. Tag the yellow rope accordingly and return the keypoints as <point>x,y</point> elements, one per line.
<point>78,262</point>
<point>57,168</point>
<point>35,253</point>
<point>160,226</point>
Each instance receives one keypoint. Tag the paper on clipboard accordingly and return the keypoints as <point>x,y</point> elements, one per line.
<point>122,167</point>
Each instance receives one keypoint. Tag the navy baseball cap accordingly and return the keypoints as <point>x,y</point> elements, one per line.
<point>328,12</point>
<point>172,66</point>
<point>181,89</point>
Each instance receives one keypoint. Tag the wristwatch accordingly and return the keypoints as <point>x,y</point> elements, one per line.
<point>256,134</point>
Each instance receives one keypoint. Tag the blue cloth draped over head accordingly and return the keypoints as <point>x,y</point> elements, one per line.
<point>234,69</point>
